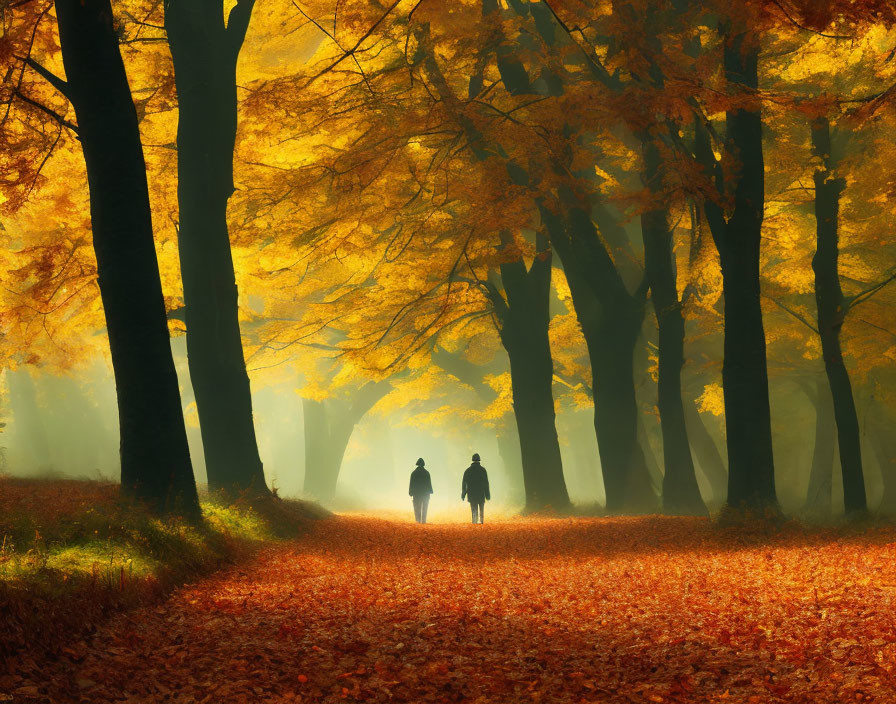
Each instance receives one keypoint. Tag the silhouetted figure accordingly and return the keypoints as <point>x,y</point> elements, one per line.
<point>420,490</point>
<point>475,489</point>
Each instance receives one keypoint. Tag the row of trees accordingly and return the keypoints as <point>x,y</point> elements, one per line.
<point>423,185</point>
<point>155,458</point>
<point>570,123</point>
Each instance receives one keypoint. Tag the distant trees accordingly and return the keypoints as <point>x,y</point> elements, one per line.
<point>329,424</point>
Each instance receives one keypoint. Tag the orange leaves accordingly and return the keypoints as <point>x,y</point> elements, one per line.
<point>647,609</point>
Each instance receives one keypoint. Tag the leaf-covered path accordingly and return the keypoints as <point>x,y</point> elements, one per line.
<point>579,610</point>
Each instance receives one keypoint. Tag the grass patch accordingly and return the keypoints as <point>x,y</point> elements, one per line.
<point>71,553</point>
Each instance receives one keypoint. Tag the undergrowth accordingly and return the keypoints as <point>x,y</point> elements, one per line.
<point>71,553</point>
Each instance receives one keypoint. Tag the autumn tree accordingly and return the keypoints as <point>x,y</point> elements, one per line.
<point>155,458</point>
<point>737,233</point>
<point>205,51</point>
<point>521,304</point>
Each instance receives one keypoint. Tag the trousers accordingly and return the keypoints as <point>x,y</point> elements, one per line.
<point>421,504</point>
<point>478,511</point>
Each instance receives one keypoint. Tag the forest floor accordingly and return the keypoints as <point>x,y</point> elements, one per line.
<point>72,553</point>
<point>644,609</point>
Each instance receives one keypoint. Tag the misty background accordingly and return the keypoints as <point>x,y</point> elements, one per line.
<point>66,425</point>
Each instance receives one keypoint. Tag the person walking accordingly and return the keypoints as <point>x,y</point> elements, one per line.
<point>420,490</point>
<point>475,489</point>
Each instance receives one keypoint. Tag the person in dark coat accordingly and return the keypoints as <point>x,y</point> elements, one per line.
<point>475,489</point>
<point>420,490</point>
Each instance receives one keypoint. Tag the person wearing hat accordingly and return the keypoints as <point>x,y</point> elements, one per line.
<point>475,489</point>
<point>420,490</point>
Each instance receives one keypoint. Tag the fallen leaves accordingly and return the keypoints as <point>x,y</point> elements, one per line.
<point>644,609</point>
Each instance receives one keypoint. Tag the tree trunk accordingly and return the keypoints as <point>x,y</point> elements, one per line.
<point>831,311</point>
<point>881,436</point>
<point>611,320</point>
<point>681,495</point>
<point>653,467</point>
<point>708,456</point>
<point>155,458</point>
<point>329,425</point>
<point>751,468</point>
<point>511,458</point>
<point>524,320</point>
<point>626,476</point>
<point>317,451</point>
<point>818,493</point>
<point>205,54</point>
<point>28,422</point>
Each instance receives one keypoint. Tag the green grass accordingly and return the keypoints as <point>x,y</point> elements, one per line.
<point>71,552</point>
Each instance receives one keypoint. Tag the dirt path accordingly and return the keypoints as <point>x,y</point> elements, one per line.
<point>583,610</point>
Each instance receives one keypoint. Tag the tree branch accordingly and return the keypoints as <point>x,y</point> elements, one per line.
<point>351,52</point>
<point>795,314</point>
<point>49,111</point>
<point>50,77</point>
<point>238,25</point>
<point>852,301</point>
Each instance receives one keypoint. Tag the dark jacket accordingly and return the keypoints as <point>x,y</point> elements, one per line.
<point>475,484</point>
<point>421,484</point>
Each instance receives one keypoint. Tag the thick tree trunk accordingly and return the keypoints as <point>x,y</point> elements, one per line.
<point>751,469</point>
<point>707,452</point>
<point>205,53</point>
<point>155,458</point>
<point>531,370</point>
<point>524,320</point>
<point>681,495</point>
<point>611,320</point>
<point>626,476</point>
<point>831,311</point>
<point>818,493</point>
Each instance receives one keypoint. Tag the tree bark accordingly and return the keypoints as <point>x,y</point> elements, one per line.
<point>751,468</point>
<point>832,309</point>
<point>681,495</point>
<point>205,54</point>
<point>820,488</point>
<point>524,320</point>
<point>155,457</point>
